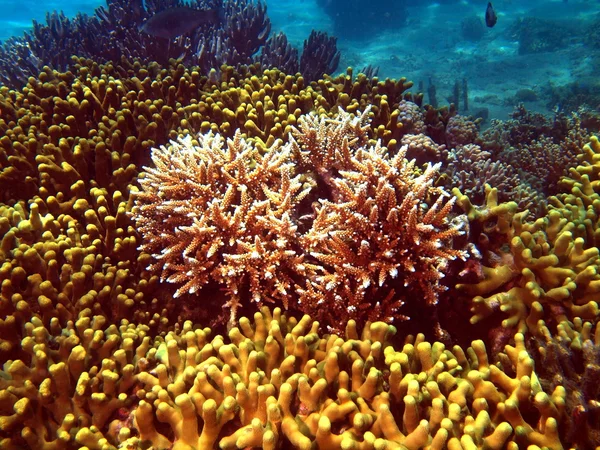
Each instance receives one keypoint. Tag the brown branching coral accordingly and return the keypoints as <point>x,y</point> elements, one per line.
<point>210,212</point>
<point>235,216</point>
<point>373,236</point>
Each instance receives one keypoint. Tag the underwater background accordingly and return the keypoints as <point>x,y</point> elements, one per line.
<point>536,54</point>
<point>314,224</point>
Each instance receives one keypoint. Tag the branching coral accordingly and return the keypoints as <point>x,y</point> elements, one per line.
<point>541,149</point>
<point>571,358</point>
<point>372,236</point>
<point>70,152</point>
<point>470,168</point>
<point>225,214</point>
<point>81,120</point>
<point>378,233</point>
<point>96,352</point>
<point>116,31</point>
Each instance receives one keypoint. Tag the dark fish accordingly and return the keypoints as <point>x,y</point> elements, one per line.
<point>490,16</point>
<point>174,22</point>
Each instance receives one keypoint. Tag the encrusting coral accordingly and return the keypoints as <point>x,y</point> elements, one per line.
<point>378,232</point>
<point>274,381</point>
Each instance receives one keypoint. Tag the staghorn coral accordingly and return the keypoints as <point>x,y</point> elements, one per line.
<point>377,234</point>
<point>271,382</point>
<point>224,214</point>
<point>372,235</point>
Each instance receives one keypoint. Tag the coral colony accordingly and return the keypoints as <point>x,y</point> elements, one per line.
<point>231,249</point>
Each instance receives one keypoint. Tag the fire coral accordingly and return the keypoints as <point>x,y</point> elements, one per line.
<point>323,219</point>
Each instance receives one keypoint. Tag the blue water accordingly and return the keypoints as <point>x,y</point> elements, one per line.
<point>17,15</point>
<point>430,44</point>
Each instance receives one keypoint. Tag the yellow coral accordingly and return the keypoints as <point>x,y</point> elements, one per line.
<point>274,381</point>
<point>552,269</point>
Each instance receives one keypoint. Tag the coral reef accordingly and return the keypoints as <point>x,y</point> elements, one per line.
<point>470,169</point>
<point>128,107</point>
<point>292,203</point>
<point>538,151</point>
<point>580,97</point>
<point>551,271</point>
<point>571,359</point>
<point>70,152</point>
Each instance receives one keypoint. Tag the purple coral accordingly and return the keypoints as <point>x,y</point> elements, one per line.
<point>114,32</point>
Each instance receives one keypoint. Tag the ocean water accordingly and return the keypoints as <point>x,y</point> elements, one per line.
<point>432,42</point>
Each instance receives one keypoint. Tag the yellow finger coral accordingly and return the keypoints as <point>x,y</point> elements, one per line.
<point>552,268</point>
<point>272,382</point>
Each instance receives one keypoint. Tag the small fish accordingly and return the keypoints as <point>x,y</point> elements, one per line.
<point>173,22</point>
<point>490,16</point>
